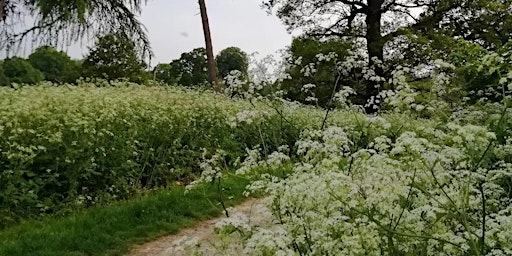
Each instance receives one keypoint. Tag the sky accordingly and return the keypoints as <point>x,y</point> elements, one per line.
<point>174,27</point>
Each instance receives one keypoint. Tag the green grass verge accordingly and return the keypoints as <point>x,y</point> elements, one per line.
<point>116,228</point>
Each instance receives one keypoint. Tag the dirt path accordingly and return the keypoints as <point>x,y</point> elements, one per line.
<point>202,235</point>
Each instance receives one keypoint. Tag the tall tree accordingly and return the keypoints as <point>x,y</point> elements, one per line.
<point>380,21</point>
<point>212,71</point>
<point>114,57</point>
<point>69,21</point>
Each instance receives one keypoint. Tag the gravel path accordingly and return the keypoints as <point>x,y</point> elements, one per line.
<point>202,237</point>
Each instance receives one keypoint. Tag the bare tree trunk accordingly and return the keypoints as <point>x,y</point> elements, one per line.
<point>375,43</point>
<point>212,70</point>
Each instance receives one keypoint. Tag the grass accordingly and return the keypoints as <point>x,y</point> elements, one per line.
<point>114,229</point>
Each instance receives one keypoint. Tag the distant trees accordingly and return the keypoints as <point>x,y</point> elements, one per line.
<point>18,70</point>
<point>113,57</point>
<point>162,73</point>
<point>56,22</point>
<point>232,58</point>
<point>56,66</point>
<point>191,69</point>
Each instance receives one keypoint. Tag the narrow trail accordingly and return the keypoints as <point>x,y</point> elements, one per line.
<point>203,236</point>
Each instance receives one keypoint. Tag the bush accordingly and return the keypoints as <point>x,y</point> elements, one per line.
<point>482,73</point>
<point>56,66</point>
<point>18,70</point>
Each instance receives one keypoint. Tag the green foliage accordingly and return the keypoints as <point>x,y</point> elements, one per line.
<point>191,69</point>
<point>56,66</point>
<point>114,57</point>
<point>18,70</point>
<point>65,148</point>
<point>304,54</point>
<point>484,22</point>
<point>480,72</point>
<point>4,81</point>
<point>230,59</point>
<point>162,73</point>
<point>398,179</point>
<point>70,21</point>
<point>115,229</point>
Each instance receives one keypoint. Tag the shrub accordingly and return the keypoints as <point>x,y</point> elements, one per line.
<point>18,70</point>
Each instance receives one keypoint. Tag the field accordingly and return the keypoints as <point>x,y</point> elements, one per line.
<point>395,184</point>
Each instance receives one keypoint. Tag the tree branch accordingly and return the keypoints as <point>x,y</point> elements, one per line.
<point>35,29</point>
<point>352,3</point>
<point>68,22</point>
<point>331,33</point>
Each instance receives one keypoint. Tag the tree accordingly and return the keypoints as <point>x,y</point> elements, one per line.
<point>162,73</point>
<point>18,70</point>
<point>378,22</point>
<point>212,70</point>
<point>482,73</point>
<point>305,52</point>
<point>114,57</point>
<point>191,69</point>
<point>485,22</point>
<point>70,21</point>
<point>56,66</point>
<point>232,58</point>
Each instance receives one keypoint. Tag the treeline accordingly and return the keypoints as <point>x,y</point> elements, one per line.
<point>191,68</point>
<point>116,57</point>
<point>312,70</point>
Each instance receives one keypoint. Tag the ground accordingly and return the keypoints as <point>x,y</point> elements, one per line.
<point>202,238</point>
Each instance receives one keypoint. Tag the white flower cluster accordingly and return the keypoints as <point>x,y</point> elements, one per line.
<point>211,169</point>
<point>254,160</point>
<point>341,97</point>
<point>424,191</point>
<point>237,222</point>
<point>247,117</point>
<point>235,82</point>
